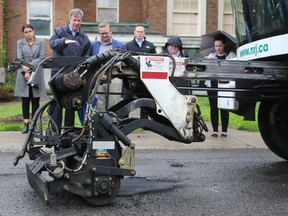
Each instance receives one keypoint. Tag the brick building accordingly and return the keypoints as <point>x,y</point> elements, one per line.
<point>188,19</point>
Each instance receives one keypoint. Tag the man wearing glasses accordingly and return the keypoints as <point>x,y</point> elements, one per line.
<point>105,42</point>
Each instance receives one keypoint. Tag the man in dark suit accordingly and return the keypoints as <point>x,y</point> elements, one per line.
<point>140,45</point>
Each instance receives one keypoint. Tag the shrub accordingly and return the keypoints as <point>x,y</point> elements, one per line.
<point>7,89</point>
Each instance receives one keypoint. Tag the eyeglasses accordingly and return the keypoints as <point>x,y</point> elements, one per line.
<point>104,33</point>
<point>26,32</point>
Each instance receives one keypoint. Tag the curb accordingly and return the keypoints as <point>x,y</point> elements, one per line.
<point>12,141</point>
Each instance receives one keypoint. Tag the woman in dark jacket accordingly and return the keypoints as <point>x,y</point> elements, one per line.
<point>174,48</point>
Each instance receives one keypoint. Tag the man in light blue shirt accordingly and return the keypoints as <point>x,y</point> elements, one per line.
<point>105,42</point>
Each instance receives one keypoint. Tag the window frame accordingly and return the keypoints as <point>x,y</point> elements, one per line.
<point>117,11</point>
<point>201,18</point>
<point>221,14</point>
<point>50,19</point>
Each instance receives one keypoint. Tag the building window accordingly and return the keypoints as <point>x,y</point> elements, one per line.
<point>186,17</point>
<point>107,10</point>
<point>226,19</point>
<point>39,16</point>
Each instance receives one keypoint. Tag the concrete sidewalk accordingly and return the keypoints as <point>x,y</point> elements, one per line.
<point>11,141</point>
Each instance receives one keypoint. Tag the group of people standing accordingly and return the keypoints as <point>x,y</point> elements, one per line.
<point>69,40</point>
<point>66,40</point>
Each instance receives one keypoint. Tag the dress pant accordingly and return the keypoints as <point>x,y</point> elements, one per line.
<point>57,116</point>
<point>214,111</point>
<point>35,102</point>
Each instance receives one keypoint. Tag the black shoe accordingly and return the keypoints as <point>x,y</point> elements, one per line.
<point>214,135</point>
<point>35,130</point>
<point>223,135</point>
<point>26,128</point>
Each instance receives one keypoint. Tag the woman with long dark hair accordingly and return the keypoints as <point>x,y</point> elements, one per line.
<point>30,50</point>
<point>220,53</point>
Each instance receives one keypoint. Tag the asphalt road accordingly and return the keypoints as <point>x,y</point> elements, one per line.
<point>169,182</point>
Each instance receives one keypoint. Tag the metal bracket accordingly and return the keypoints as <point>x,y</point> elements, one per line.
<point>127,161</point>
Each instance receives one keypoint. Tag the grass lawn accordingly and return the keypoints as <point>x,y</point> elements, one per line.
<point>10,115</point>
<point>235,121</point>
<point>11,118</point>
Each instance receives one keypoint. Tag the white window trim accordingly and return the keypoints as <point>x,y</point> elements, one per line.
<point>201,21</point>
<point>220,14</point>
<point>169,16</point>
<point>51,20</point>
<point>98,13</point>
<point>202,18</point>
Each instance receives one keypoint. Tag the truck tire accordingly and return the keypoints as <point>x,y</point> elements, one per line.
<point>273,126</point>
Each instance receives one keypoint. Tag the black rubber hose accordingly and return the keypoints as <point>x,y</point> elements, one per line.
<point>99,58</point>
<point>105,56</point>
<point>28,137</point>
